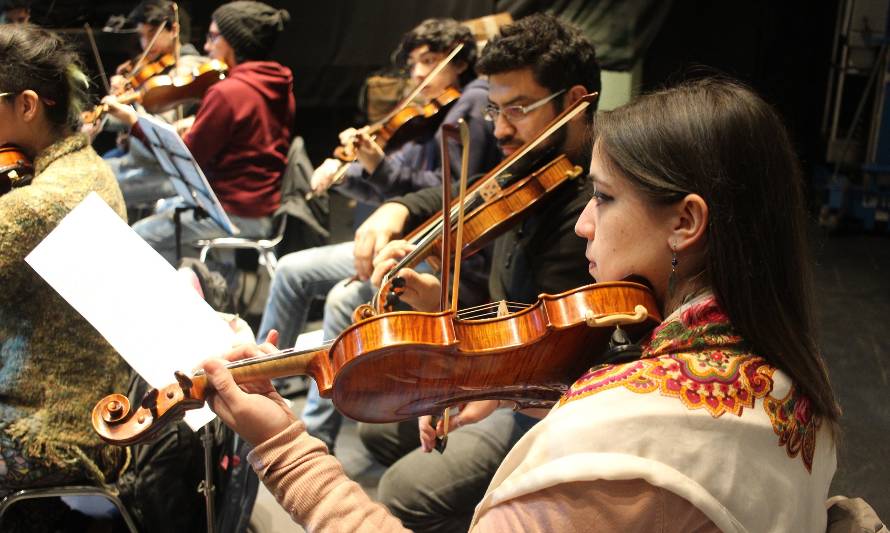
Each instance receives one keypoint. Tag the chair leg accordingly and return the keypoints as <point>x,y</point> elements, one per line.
<point>271,262</point>
<point>55,492</point>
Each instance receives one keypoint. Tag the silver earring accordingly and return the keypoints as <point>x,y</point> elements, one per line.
<point>672,279</point>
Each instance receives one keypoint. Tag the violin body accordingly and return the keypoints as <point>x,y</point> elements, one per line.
<point>411,122</point>
<point>397,366</point>
<point>168,91</point>
<point>15,168</point>
<point>438,360</point>
<point>415,121</point>
<point>148,71</point>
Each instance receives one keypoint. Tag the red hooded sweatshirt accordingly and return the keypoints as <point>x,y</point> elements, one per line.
<point>241,136</point>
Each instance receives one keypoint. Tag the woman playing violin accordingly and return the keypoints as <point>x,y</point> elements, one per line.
<point>51,360</point>
<point>728,422</point>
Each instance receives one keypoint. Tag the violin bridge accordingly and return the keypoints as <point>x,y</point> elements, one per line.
<point>502,308</point>
<point>489,190</point>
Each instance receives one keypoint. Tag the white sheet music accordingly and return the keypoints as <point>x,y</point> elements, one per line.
<point>131,295</point>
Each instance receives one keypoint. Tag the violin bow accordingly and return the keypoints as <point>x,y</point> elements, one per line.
<point>177,45</point>
<point>464,132</point>
<point>98,58</point>
<point>151,43</point>
<point>420,86</point>
<point>460,133</point>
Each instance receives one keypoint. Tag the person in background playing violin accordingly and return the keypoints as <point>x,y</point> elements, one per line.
<point>141,178</point>
<point>241,132</point>
<point>16,12</point>
<point>307,274</point>
<point>374,176</point>
<point>536,67</point>
<point>52,361</point>
<point>728,422</point>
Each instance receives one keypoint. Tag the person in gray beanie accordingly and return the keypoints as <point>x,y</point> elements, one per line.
<point>251,28</point>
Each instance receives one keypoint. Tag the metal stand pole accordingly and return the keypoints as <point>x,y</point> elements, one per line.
<point>206,486</point>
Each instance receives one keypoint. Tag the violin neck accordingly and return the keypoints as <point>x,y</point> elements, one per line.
<point>428,235</point>
<point>313,363</point>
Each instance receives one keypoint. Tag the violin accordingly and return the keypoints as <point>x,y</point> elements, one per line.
<point>496,202</point>
<point>529,355</point>
<point>413,121</point>
<point>166,91</point>
<point>16,169</point>
<point>146,72</point>
<point>163,92</point>
<point>405,122</point>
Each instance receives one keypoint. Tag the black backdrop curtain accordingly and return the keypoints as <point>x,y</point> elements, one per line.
<point>780,48</point>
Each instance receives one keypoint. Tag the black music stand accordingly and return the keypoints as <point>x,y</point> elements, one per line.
<point>191,184</point>
<point>188,179</point>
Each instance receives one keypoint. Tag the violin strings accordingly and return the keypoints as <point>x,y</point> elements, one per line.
<point>496,304</point>
<point>489,310</point>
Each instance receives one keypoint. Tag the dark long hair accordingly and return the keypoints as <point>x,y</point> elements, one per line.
<point>718,139</point>
<point>39,60</point>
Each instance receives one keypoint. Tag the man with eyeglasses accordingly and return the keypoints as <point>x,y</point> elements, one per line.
<point>537,67</point>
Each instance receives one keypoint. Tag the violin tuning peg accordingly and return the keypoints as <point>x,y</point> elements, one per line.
<point>392,299</point>
<point>185,382</point>
<point>150,400</point>
<point>398,282</point>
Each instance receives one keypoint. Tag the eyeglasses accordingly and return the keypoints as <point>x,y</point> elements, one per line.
<point>7,94</point>
<point>515,113</point>
<point>212,36</point>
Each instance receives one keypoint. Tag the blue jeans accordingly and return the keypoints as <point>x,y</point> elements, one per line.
<point>140,176</point>
<point>319,414</point>
<point>160,232</point>
<point>301,277</point>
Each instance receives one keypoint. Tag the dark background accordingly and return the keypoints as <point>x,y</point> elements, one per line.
<point>781,49</point>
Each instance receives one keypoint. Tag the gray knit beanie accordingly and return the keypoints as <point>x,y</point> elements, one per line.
<point>250,27</point>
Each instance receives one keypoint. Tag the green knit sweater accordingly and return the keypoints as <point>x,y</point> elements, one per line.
<point>54,366</point>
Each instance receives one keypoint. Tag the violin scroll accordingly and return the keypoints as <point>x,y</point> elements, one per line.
<point>117,422</point>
